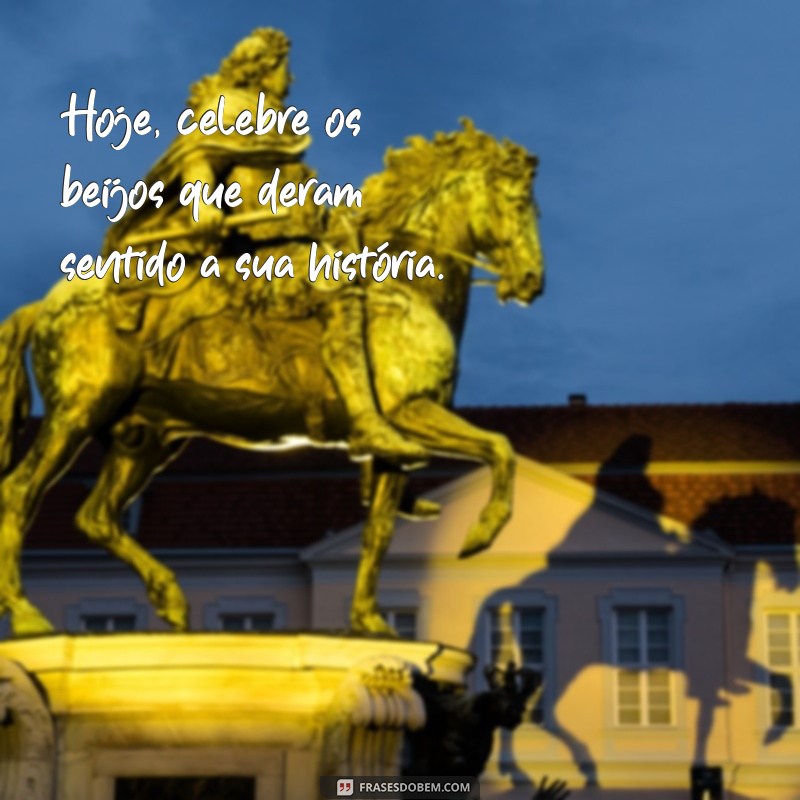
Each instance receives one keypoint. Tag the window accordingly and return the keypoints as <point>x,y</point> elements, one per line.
<point>241,614</point>
<point>404,609</point>
<point>404,621</point>
<point>783,660</point>
<point>518,635</point>
<point>106,615</point>
<point>247,622</point>
<point>107,623</point>
<point>642,637</point>
<point>643,653</point>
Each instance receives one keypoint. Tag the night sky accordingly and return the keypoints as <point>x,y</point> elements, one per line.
<point>667,131</point>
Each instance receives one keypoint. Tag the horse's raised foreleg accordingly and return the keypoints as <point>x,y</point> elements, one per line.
<point>365,617</point>
<point>124,474</point>
<point>58,441</point>
<point>445,433</point>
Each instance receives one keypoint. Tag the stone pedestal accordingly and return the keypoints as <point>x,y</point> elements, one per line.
<point>94,716</point>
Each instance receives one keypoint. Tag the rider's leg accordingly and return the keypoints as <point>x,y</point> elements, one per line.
<point>345,359</point>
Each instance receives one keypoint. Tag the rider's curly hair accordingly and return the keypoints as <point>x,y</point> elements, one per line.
<point>261,51</point>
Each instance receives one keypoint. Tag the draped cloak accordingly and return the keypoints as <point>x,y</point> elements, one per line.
<point>250,159</point>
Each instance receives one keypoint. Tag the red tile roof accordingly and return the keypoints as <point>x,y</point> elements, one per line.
<point>215,496</point>
<point>279,512</point>
<point>743,509</point>
<point>725,432</point>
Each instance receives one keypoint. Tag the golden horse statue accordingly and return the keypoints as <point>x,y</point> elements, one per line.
<point>239,375</point>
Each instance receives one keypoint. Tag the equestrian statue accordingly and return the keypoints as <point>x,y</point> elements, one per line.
<point>361,364</point>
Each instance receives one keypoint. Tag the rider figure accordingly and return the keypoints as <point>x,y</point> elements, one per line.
<point>260,63</point>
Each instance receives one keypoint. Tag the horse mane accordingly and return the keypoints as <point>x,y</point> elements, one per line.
<point>413,171</point>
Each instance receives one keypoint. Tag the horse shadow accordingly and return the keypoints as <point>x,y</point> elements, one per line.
<point>770,519</point>
<point>624,474</point>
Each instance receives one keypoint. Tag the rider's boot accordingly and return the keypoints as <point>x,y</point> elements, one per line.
<point>345,358</point>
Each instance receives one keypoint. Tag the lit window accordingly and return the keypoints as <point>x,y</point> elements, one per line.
<point>517,634</point>
<point>643,653</point>
<point>783,659</point>
<point>247,622</point>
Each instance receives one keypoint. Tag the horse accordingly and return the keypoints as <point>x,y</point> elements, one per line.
<point>240,375</point>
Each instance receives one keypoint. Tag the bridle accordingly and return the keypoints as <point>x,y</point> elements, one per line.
<point>479,261</point>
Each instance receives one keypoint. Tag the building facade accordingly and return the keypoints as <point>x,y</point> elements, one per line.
<point>649,575</point>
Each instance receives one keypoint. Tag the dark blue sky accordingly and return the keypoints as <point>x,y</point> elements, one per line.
<point>670,168</point>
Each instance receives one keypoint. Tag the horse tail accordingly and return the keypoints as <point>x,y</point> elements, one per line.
<point>15,388</point>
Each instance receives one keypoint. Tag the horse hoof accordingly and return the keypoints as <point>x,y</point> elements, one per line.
<point>478,539</point>
<point>26,620</point>
<point>485,531</point>
<point>175,611</point>
<point>421,510</point>
<point>176,617</point>
<point>170,604</point>
<point>372,624</point>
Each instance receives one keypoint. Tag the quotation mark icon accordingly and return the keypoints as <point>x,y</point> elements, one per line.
<point>344,787</point>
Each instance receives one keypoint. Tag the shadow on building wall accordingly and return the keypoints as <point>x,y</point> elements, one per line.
<point>768,518</point>
<point>624,474</point>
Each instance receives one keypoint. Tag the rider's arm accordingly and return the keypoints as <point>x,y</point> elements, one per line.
<point>197,167</point>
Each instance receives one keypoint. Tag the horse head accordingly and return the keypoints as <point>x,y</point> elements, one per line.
<point>503,215</point>
<point>462,196</point>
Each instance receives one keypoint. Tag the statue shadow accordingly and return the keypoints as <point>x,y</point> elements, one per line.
<point>764,518</point>
<point>624,475</point>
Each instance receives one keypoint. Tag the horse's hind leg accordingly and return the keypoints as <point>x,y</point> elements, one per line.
<point>126,470</point>
<point>58,441</point>
<point>446,433</point>
<point>365,617</point>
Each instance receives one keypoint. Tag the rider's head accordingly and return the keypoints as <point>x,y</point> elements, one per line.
<point>260,61</point>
